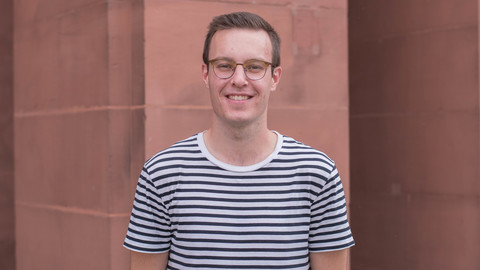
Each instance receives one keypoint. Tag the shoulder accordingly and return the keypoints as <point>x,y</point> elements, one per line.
<point>186,149</point>
<point>306,161</point>
<point>297,151</point>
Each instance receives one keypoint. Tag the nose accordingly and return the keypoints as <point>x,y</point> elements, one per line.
<point>239,78</point>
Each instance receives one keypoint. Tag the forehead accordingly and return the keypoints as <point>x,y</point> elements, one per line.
<point>241,44</point>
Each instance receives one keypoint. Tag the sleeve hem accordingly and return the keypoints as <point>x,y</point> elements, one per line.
<point>146,250</point>
<point>332,248</point>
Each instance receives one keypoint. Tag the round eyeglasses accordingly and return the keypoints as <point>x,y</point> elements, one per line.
<point>225,68</point>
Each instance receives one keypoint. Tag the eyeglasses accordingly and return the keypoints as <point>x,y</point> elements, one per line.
<point>225,68</point>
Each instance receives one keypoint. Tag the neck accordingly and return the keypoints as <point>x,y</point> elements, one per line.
<point>240,146</point>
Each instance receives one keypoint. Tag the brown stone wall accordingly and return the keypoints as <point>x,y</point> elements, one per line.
<point>7,230</point>
<point>79,135</point>
<point>414,122</point>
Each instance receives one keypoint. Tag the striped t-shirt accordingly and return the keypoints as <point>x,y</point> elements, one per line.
<point>211,215</point>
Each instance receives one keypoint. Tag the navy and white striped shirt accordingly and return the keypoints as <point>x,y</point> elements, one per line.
<point>212,215</point>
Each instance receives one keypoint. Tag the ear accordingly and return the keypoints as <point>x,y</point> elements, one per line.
<point>277,74</point>
<point>205,74</point>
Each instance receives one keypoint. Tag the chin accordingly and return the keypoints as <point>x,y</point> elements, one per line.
<point>242,120</point>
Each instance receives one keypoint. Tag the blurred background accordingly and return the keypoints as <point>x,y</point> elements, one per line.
<point>90,89</point>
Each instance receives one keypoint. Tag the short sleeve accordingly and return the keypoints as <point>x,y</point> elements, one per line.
<point>329,227</point>
<point>149,228</point>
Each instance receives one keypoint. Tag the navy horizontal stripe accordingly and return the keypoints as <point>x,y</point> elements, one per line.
<point>294,168</point>
<point>346,229</point>
<point>239,192</point>
<point>242,216</point>
<point>142,249</point>
<point>333,224</point>
<point>331,209</point>
<point>237,241</point>
<point>241,208</point>
<point>183,151</point>
<point>237,184</point>
<point>331,240</point>
<point>148,220</point>
<point>242,225</point>
<point>140,233</point>
<point>259,176</point>
<point>242,200</point>
<point>177,159</point>
<point>145,227</point>
<point>218,232</point>
<point>185,166</point>
<point>146,212</point>
<point>342,215</point>
<point>296,160</point>
<point>148,242</point>
<point>300,153</point>
<point>231,248</point>
<point>238,266</point>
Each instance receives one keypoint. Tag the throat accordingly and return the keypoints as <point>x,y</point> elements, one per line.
<point>240,151</point>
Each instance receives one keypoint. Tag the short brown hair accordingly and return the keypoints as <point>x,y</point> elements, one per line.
<point>242,20</point>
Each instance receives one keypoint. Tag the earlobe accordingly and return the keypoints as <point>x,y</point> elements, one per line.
<point>205,74</point>
<point>277,74</point>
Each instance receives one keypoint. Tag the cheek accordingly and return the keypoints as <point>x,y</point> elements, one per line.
<point>216,85</point>
<point>214,91</point>
<point>265,89</point>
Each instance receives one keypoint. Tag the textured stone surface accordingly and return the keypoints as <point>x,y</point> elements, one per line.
<point>79,131</point>
<point>7,226</point>
<point>414,129</point>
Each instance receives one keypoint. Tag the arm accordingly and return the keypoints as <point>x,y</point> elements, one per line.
<point>330,260</point>
<point>148,261</point>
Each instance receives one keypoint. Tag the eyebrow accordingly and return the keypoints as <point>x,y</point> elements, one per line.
<point>230,59</point>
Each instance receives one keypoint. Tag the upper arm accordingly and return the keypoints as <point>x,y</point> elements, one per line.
<point>148,261</point>
<point>329,260</point>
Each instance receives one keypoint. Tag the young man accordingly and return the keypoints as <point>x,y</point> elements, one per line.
<point>239,196</point>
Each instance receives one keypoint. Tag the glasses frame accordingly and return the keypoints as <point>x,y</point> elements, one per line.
<point>267,64</point>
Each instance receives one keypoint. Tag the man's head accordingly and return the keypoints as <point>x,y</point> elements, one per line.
<point>242,20</point>
<point>240,96</point>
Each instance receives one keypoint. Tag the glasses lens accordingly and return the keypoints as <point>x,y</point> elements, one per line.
<point>223,68</point>
<point>255,69</point>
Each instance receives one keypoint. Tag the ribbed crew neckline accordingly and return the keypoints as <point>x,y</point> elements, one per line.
<point>234,168</point>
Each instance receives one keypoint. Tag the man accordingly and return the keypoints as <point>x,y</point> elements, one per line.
<point>239,196</point>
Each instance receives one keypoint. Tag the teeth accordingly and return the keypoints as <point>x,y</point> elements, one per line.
<point>238,97</point>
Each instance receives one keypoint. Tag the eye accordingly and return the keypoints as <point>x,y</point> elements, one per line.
<point>224,65</point>
<point>255,66</point>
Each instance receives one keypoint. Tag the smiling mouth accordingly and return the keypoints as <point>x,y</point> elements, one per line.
<point>237,97</point>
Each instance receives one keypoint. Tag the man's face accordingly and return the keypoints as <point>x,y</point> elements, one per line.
<point>238,100</point>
